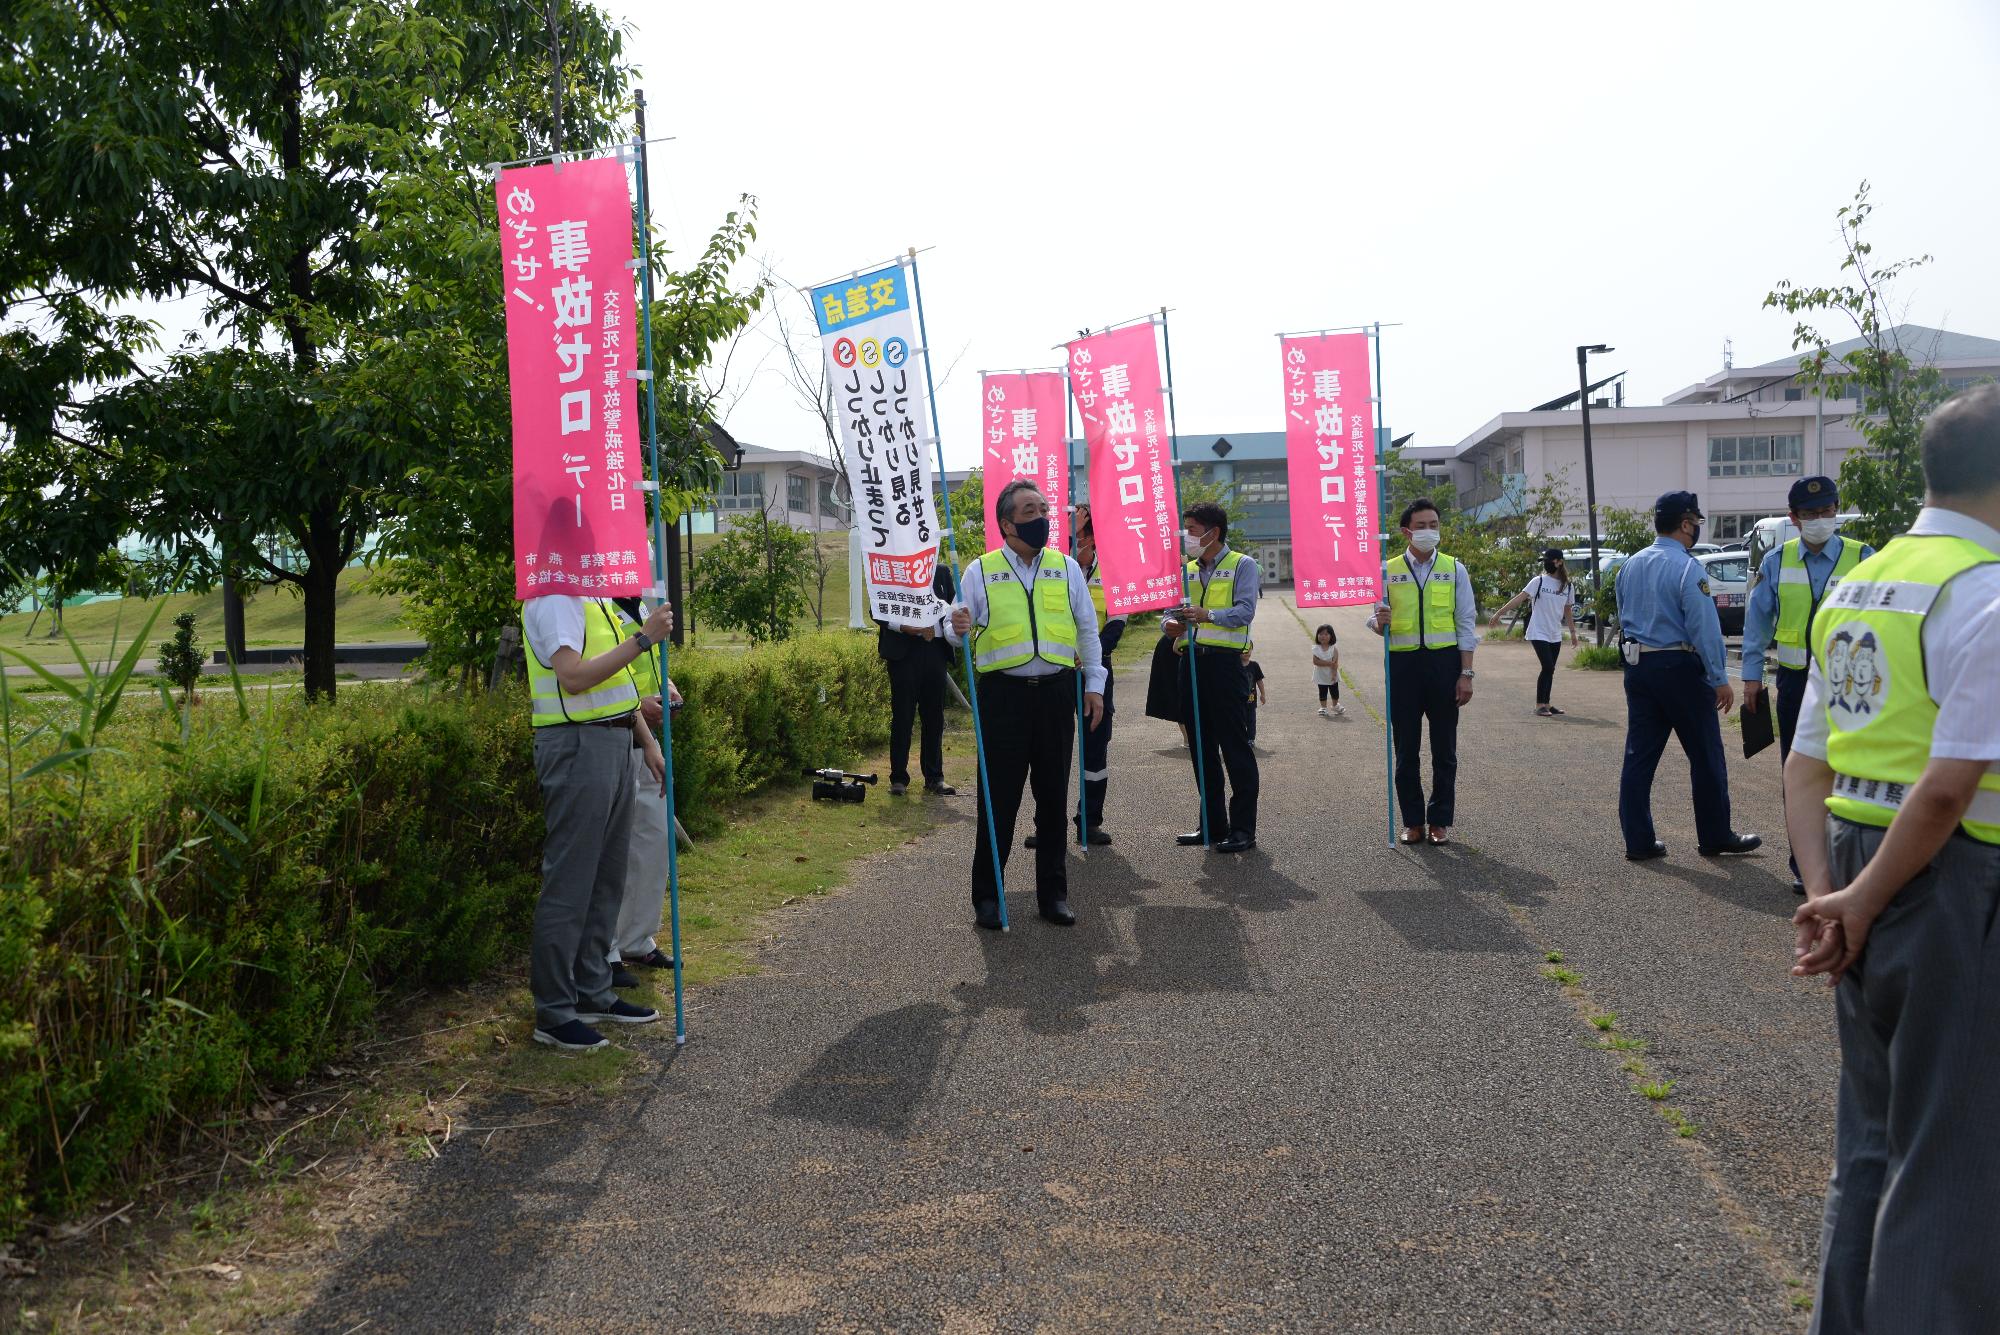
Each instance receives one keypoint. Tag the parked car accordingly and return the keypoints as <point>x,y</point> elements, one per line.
<point>1577,560</point>
<point>1728,575</point>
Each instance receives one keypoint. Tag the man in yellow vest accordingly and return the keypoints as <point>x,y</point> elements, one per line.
<point>1432,623</point>
<point>1110,630</point>
<point>1793,580</point>
<point>1899,740</point>
<point>633,944</point>
<point>1223,588</point>
<point>1028,611</point>
<point>584,698</point>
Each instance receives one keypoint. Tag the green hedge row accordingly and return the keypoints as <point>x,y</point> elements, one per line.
<point>187,918</point>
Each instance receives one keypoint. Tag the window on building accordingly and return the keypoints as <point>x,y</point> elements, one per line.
<point>1794,394</point>
<point>1756,456</point>
<point>829,500</point>
<point>798,493</point>
<point>1730,527</point>
<point>1262,486</point>
<point>740,491</point>
<point>1514,462</point>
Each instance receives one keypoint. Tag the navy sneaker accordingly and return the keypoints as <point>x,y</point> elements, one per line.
<point>621,1012</point>
<point>623,977</point>
<point>572,1036</point>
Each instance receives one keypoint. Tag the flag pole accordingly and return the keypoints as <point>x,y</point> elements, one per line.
<point>1187,585</point>
<point>1388,705</point>
<point>659,559</point>
<point>1082,799</point>
<point>971,672</point>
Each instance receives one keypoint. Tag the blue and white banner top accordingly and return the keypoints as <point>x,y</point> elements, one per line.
<point>868,327</point>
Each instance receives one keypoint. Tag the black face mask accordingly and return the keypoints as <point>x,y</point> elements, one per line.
<point>1553,567</point>
<point>1033,532</point>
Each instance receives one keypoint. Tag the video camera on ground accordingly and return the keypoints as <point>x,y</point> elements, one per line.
<point>837,785</point>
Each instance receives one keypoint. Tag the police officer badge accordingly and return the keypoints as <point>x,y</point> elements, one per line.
<point>1857,677</point>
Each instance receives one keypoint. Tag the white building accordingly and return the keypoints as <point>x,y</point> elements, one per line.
<point>1737,439</point>
<point>796,487</point>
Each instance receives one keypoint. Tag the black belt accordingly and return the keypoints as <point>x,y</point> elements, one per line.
<point>1040,679</point>
<point>1218,649</point>
<point>622,721</point>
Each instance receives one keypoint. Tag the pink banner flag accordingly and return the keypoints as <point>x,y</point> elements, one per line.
<point>1023,427</point>
<point>579,517</point>
<point>1115,379</point>
<point>1330,450</point>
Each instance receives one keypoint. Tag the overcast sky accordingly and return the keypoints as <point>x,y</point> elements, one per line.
<point>1505,180</point>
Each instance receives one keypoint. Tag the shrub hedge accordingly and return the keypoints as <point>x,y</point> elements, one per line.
<point>214,902</point>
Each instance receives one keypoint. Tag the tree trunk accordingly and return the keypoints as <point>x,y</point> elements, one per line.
<point>321,584</point>
<point>670,539</point>
<point>233,640</point>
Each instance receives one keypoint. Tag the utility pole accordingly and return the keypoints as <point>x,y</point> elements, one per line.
<point>1590,481</point>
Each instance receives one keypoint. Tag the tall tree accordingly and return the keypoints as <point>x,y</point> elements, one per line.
<point>305,171</point>
<point>1896,384</point>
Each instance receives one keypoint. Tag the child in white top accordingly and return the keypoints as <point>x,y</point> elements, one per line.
<point>1326,671</point>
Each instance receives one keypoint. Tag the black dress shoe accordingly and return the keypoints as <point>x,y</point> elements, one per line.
<point>1057,912</point>
<point>623,977</point>
<point>1098,837</point>
<point>1237,842</point>
<point>1030,842</point>
<point>1658,850</point>
<point>1190,839</point>
<point>1734,844</point>
<point>987,916</point>
<point>940,790</point>
<point>1798,887</point>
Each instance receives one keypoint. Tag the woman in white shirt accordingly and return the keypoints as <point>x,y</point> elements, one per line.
<point>1550,612</point>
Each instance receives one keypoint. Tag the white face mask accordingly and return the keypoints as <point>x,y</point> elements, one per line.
<point>1425,540</point>
<point>1817,531</point>
<point>1193,545</point>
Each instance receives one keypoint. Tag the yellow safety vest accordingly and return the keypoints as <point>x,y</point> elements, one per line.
<point>645,668</point>
<point>1219,595</point>
<point>1435,624</point>
<point>1796,604</point>
<point>1018,629</point>
<point>612,698</point>
<point>1096,584</point>
<point>1869,635</point>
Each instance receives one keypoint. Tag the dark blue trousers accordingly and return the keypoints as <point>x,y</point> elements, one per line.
<point>1666,694</point>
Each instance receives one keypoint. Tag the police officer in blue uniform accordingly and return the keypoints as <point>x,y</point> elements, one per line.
<point>1676,682</point>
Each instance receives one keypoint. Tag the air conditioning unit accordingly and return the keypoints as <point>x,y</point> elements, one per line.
<point>1600,403</point>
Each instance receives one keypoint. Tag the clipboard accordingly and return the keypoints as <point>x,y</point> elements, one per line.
<point>1757,733</point>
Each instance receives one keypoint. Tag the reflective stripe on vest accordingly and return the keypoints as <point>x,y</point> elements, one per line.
<point>1796,604</point>
<point>1016,633</point>
<point>619,695</point>
<point>1219,595</point>
<point>1439,624</point>
<point>1869,638</point>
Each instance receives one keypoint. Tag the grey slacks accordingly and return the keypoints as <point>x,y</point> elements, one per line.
<point>1911,1238</point>
<point>586,775</point>
<point>645,867</point>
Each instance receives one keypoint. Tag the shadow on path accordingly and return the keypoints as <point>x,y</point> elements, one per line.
<point>877,1076</point>
<point>1736,881</point>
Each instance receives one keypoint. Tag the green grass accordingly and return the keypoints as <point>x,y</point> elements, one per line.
<point>1555,973</point>
<point>1657,1090</point>
<point>271,618</point>
<point>1605,1022</point>
<point>1598,657</point>
<point>1554,957</point>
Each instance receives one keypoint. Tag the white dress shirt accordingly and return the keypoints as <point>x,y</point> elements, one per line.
<point>1089,653</point>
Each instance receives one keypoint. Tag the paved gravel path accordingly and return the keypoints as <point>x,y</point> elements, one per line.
<point>1323,1086</point>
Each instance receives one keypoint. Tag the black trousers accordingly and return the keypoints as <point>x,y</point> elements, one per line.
<point>1097,761</point>
<point>1548,651</point>
<point>1423,688</point>
<point>1330,692</point>
<point>1029,725</point>
<point>1666,695</point>
<point>1791,694</point>
<point>1224,738</point>
<point>916,688</point>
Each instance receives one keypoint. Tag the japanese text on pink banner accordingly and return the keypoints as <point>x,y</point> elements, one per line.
<point>1022,423</point>
<point>1330,456</point>
<point>1115,379</point>
<point>579,520</point>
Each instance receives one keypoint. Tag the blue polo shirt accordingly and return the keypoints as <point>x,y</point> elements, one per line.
<point>1662,603</point>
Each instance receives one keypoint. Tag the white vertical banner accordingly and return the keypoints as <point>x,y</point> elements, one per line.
<point>868,326</point>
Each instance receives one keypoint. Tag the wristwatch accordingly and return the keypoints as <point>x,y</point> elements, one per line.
<point>644,643</point>
<point>1467,672</point>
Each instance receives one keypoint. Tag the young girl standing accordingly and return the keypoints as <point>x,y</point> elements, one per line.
<point>1326,671</point>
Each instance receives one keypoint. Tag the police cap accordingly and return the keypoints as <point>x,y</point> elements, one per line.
<point>1810,493</point>
<point>1672,507</point>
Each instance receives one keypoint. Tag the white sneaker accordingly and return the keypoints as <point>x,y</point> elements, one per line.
<point>1339,710</point>
<point>1322,711</point>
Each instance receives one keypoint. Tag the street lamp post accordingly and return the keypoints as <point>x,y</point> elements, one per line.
<point>1590,481</point>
